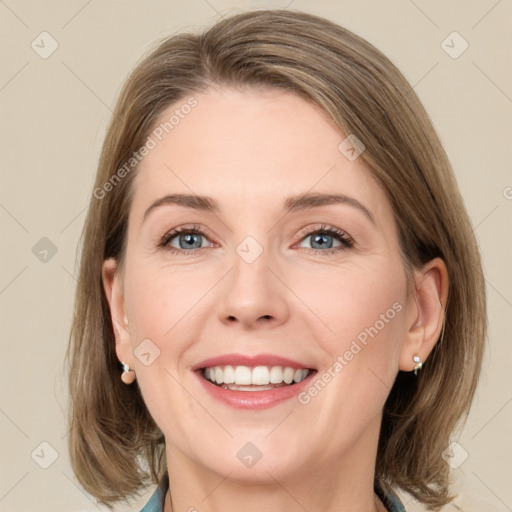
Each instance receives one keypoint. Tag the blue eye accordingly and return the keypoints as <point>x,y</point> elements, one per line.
<point>189,240</point>
<point>323,236</point>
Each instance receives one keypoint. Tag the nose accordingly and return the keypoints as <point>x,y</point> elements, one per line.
<point>253,295</point>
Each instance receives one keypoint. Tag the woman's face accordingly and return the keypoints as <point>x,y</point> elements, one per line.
<point>257,280</point>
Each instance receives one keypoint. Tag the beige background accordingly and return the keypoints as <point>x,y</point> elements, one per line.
<point>53,116</point>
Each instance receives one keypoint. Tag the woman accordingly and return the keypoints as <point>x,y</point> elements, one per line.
<point>217,352</point>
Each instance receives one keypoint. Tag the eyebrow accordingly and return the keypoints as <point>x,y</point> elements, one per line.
<point>295,203</point>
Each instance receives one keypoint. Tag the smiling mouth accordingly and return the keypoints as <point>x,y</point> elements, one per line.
<point>258,378</point>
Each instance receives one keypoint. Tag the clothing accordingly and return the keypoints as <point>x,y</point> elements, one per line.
<point>388,497</point>
<point>156,502</point>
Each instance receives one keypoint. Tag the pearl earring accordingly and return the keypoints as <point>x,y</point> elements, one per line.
<point>128,375</point>
<point>416,358</point>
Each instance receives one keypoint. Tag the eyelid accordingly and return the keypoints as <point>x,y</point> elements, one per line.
<point>324,228</point>
<point>172,233</point>
<point>346,240</point>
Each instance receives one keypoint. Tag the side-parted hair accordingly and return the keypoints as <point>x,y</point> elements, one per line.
<point>116,448</point>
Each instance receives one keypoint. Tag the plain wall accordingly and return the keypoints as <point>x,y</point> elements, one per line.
<point>53,116</point>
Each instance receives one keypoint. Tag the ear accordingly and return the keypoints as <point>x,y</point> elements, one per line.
<point>113,286</point>
<point>428,304</point>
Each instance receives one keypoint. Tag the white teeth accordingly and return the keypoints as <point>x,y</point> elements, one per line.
<point>257,376</point>
<point>229,375</point>
<point>260,376</point>
<point>242,375</point>
<point>276,375</point>
<point>288,375</point>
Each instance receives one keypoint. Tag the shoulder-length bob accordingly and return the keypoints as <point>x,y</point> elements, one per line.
<point>116,448</point>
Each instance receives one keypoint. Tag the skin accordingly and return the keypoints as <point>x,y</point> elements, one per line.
<point>250,150</point>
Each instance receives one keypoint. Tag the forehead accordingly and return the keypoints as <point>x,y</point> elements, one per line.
<point>249,149</point>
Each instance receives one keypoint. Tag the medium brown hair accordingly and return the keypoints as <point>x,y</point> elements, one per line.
<point>115,446</point>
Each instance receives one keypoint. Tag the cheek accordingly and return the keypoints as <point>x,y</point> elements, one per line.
<point>159,298</point>
<point>359,327</point>
<point>355,304</point>
<point>161,303</point>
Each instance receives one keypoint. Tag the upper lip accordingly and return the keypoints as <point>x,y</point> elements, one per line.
<point>255,360</point>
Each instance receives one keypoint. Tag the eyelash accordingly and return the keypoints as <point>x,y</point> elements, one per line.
<point>345,239</point>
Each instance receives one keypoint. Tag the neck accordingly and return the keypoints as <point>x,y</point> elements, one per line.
<point>375,504</point>
<point>333,483</point>
<point>272,498</point>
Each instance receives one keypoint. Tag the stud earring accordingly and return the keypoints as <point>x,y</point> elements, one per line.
<point>128,375</point>
<point>418,362</point>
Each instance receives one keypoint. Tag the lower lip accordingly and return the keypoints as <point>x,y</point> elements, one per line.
<point>254,399</point>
